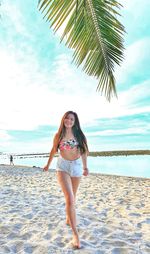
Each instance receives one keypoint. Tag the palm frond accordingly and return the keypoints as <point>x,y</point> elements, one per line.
<point>94,33</point>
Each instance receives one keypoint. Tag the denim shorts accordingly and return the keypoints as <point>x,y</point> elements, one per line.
<point>73,168</point>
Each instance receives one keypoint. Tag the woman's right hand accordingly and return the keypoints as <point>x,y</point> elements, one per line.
<point>45,168</point>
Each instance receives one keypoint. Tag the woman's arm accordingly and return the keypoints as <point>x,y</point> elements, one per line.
<point>51,155</point>
<point>84,161</point>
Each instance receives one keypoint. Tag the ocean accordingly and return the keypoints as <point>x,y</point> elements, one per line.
<point>133,165</point>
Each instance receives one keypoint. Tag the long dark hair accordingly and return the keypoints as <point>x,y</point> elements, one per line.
<point>77,132</point>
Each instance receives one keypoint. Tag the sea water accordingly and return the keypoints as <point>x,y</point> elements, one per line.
<point>133,165</point>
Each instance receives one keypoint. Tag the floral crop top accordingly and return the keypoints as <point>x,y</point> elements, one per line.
<point>68,144</point>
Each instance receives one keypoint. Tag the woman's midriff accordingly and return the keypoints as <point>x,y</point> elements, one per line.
<point>70,155</point>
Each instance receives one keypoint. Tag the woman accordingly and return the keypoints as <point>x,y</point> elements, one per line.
<point>73,148</point>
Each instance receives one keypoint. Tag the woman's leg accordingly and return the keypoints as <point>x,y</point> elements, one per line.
<point>75,184</point>
<point>68,189</point>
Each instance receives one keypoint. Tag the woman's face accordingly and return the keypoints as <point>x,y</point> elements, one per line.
<point>69,121</point>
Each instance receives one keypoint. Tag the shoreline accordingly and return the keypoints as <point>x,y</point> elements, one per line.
<point>91,173</point>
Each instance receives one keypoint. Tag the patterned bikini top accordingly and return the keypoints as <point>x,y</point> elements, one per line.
<point>68,144</point>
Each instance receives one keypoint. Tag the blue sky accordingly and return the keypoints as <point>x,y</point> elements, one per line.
<point>39,83</point>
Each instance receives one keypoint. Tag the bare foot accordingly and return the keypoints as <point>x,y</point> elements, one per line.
<point>76,242</point>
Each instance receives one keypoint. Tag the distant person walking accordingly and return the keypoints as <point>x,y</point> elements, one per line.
<point>11,160</point>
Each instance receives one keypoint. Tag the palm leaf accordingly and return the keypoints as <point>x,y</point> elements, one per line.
<point>94,33</point>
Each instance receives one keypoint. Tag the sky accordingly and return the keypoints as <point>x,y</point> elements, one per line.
<point>39,83</point>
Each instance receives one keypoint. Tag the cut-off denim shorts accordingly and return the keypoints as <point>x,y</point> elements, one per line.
<point>73,168</point>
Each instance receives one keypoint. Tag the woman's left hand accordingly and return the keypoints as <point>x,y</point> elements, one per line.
<point>85,171</point>
<point>45,168</point>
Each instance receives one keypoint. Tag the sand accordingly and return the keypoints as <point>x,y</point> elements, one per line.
<point>113,213</point>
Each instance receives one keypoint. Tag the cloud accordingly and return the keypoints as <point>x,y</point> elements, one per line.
<point>140,6</point>
<point>136,95</point>
<point>38,83</point>
<point>12,18</point>
<point>127,131</point>
<point>6,140</point>
<point>31,97</point>
<point>136,63</point>
<point>4,135</point>
<point>136,20</point>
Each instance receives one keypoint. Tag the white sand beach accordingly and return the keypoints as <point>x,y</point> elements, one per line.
<point>113,213</point>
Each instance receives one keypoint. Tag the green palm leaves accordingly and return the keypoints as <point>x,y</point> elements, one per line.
<point>93,32</point>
